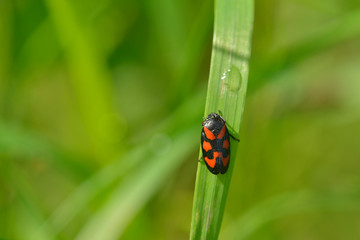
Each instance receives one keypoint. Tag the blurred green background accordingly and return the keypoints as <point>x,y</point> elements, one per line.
<point>101,106</point>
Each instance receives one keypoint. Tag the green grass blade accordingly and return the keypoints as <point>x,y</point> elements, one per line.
<point>75,203</point>
<point>73,206</point>
<point>290,203</point>
<point>5,46</point>
<point>134,192</point>
<point>31,213</point>
<point>90,80</point>
<point>18,142</point>
<point>331,34</point>
<point>226,92</point>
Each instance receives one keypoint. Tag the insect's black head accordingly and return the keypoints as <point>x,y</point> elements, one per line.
<point>213,118</point>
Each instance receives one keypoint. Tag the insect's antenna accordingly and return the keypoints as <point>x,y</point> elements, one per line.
<point>220,112</point>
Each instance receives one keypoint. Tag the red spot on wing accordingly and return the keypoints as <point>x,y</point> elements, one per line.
<point>209,134</point>
<point>210,161</point>
<point>206,146</point>
<point>226,144</point>
<point>225,161</point>
<point>221,133</point>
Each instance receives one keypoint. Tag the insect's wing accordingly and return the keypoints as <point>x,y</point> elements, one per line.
<point>207,151</point>
<point>226,153</point>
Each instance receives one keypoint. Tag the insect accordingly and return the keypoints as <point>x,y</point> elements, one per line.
<point>215,144</point>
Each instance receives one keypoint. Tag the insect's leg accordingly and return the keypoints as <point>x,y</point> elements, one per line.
<point>234,138</point>
<point>202,157</point>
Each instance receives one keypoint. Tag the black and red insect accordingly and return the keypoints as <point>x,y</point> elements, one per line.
<point>215,144</point>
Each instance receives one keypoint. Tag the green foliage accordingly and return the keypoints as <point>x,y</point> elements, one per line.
<point>101,104</point>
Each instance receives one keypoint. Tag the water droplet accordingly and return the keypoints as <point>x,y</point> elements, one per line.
<point>231,79</point>
<point>235,80</point>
